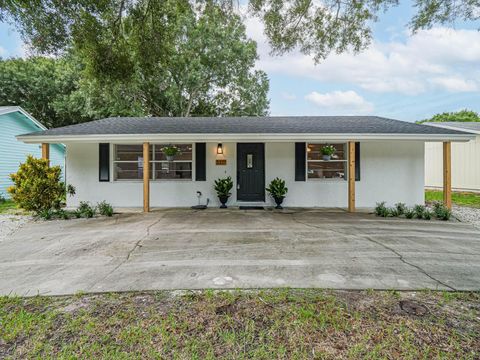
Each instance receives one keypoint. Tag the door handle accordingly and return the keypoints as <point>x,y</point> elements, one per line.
<point>238,180</point>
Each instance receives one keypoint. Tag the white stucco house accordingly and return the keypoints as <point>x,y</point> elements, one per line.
<point>465,159</point>
<point>377,159</point>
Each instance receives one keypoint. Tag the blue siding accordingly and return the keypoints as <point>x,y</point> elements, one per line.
<point>13,152</point>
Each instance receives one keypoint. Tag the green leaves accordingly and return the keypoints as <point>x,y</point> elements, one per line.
<point>460,116</point>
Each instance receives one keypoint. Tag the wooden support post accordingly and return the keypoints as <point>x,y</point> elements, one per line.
<point>351,176</point>
<point>146,177</point>
<point>447,174</point>
<point>46,151</point>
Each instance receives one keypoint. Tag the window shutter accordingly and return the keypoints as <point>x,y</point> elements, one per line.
<point>300,161</point>
<point>357,161</point>
<point>200,162</point>
<point>104,162</point>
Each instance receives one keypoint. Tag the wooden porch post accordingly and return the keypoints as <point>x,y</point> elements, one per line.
<point>351,176</point>
<point>146,177</point>
<point>46,151</point>
<point>447,174</point>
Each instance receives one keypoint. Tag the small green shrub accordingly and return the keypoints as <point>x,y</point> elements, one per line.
<point>427,214</point>
<point>380,208</point>
<point>400,207</point>
<point>419,210</point>
<point>46,214</point>
<point>277,188</point>
<point>441,211</point>
<point>105,208</point>
<point>223,186</point>
<point>37,186</point>
<point>393,212</point>
<point>409,213</point>
<point>85,210</point>
<point>62,214</point>
<point>2,199</point>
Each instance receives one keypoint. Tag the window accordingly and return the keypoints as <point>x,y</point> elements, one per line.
<point>128,162</point>
<point>320,168</point>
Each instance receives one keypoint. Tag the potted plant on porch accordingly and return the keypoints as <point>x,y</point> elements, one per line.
<point>223,187</point>
<point>327,152</point>
<point>277,190</point>
<point>170,151</point>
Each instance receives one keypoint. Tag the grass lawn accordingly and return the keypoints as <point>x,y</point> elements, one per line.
<point>7,207</point>
<point>282,323</point>
<point>458,198</point>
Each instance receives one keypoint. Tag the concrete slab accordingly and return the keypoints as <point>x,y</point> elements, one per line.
<point>188,249</point>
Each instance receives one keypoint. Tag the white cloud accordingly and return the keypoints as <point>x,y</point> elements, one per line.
<point>340,101</point>
<point>288,96</point>
<point>438,58</point>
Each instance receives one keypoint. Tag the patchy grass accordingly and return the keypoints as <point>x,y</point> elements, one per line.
<point>8,206</point>
<point>458,198</point>
<point>265,324</point>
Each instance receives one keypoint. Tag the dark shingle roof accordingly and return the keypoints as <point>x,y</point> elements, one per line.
<point>246,125</point>
<point>475,126</point>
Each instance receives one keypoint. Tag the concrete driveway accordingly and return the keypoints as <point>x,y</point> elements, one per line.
<point>186,249</point>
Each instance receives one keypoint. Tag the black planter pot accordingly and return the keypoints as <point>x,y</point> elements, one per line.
<point>279,201</point>
<point>223,200</point>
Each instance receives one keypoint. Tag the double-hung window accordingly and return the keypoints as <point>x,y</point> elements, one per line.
<point>128,162</point>
<point>319,167</point>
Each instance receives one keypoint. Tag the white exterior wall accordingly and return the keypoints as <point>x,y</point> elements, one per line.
<point>465,165</point>
<point>390,171</point>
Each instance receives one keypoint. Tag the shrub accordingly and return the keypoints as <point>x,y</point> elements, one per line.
<point>45,214</point>
<point>62,214</point>
<point>37,185</point>
<point>393,212</point>
<point>2,199</point>
<point>400,207</point>
<point>277,188</point>
<point>409,213</point>
<point>419,210</point>
<point>380,208</point>
<point>85,210</point>
<point>441,211</point>
<point>427,214</point>
<point>105,208</point>
<point>223,186</point>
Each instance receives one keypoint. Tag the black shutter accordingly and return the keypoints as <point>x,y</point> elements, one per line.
<point>200,162</point>
<point>300,161</point>
<point>357,161</point>
<point>104,162</point>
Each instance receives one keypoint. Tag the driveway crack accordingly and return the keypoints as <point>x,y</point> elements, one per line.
<point>400,256</point>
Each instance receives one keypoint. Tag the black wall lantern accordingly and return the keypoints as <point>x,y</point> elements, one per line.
<point>219,149</point>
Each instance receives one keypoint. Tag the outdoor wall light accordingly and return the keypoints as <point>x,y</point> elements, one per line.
<point>220,149</point>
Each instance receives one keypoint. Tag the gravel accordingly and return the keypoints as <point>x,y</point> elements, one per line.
<point>467,215</point>
<point>11,223</point>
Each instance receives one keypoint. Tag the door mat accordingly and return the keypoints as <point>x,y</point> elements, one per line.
<point>251,208</point>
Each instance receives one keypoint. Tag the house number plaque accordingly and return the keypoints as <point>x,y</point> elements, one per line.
<point>221,162</point>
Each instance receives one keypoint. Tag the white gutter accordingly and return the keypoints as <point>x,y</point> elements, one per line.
<point>136,138</point>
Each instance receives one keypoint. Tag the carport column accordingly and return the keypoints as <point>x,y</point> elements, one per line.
<point>146,177</point>
<point>447,174</point>
<point>351,176</point>
<point>46,151</point>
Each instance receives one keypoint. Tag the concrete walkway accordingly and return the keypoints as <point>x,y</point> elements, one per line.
<point>186,249</point>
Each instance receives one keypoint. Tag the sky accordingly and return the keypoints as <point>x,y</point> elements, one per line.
<point>401,76</point>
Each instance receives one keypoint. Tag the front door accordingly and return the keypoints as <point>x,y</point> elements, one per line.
<point>250,172</point>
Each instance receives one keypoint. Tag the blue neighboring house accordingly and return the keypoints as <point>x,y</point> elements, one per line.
<point>15,121</point>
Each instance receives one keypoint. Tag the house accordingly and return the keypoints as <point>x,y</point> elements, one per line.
<point>377,159</point>
<point>15,121</point>
<point>465,159</point>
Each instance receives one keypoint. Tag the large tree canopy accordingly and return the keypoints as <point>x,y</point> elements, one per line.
<point>164,59</point>
<point>315,27</point>
<point>459,116</point>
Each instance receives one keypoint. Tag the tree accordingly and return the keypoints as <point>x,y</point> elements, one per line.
<point>316,27</point>
<point>459,116</point>
<point>44,87</point>
<point>196,61</point>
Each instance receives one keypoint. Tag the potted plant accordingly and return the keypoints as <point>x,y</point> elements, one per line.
<point>327,152</point>
<point>223,187</point>
<point>170,151</point>
<point>277,190</point>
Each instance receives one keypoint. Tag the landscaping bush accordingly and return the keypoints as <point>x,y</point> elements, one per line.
<point>400,208</point>
<point>2,199</point>
<point>105,208</point>
<point>37,186</point>
<point>46,214</point>
<point>85,210</point>
<point>441,211</point>
<point>380,209</point>
<point>409,213</point>
<point>393,211</point>
<point>419,210</point>
<point>427,214</point>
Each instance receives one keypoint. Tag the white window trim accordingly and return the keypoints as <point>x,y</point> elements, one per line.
<point>326,180</point>
<point>152,162</point>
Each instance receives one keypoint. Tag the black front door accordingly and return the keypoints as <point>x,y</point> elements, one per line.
<point>250,172</point>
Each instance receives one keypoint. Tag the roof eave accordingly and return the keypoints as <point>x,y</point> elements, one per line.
<point>35,139</point>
